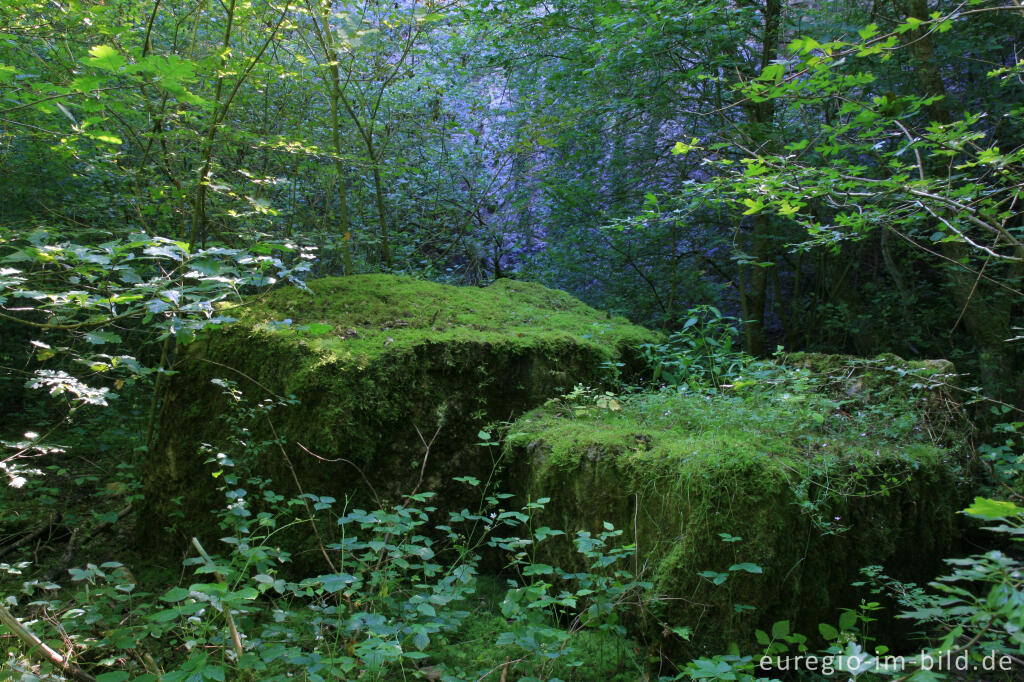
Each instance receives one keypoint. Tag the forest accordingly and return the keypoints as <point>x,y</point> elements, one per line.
<point>505,340</point>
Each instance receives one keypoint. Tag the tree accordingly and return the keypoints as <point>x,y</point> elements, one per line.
<point>901,163</point>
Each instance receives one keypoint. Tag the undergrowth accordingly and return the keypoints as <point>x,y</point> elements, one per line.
<point>400,595</point>
<point>402,592</point>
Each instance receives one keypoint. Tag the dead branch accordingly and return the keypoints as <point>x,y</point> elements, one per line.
<point>41,651</point>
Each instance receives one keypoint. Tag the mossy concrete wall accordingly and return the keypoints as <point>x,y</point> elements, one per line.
<point>820,469</point>
<point>376,362</point>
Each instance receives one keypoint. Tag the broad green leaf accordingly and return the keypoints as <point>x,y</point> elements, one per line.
<point>984,508</point>
<point>828,632</point>
<point>780,629</point>
<point>114,676</point>
<point>773,73</point>
<point>100,337</point>
<point>753,206</point>
<point>868,31</point>
<point>105,57</point>
<point>175,594</point>
<point>847,619</point>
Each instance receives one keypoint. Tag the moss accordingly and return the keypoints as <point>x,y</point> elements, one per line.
<point>376,362</point>
<point>356,319</point>
<point>816,488</point>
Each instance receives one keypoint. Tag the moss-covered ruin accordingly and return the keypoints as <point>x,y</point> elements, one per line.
<point>786,481</point>
<point>376,362</point>
<point>794,478</point>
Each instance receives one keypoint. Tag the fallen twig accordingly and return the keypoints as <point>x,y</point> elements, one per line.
<point>38,649</point>
<point>38,532</point>
<point>107,525</point>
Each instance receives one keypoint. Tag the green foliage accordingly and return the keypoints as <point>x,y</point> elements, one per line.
<point>893,149</point>
<point>701,354</point>
<point>1003,454</point>
<point>159,160</point>
<point>99,319</point>
<point>969,619</point>
<point>399,590</point>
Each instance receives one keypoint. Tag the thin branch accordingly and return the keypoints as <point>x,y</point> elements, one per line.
<point>28,105</point>
<point>373,491</point>
<point>302,493</point>
<point>236,639</point>
<point>426,455</point>
<point>39,649</point>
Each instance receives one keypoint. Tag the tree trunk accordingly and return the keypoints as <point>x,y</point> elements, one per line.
<point>761,116</point>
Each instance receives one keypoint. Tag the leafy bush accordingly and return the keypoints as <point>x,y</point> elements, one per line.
<point>398,591</point>
<point>702,353</point>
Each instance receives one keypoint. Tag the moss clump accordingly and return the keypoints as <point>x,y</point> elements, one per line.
<point>356,319</point>
<point>814,485</point>
<point>380,365</point>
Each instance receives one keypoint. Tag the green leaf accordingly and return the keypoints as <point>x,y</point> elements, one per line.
<point>773,73</point>
<point>868,31</point>
<point>246,593</point>
<point>909,25</point>
<point>984,508</point>
<point>98,338</point>
<point>164,616</point>
<point>747,567</point>
<point>828,632</point>
<point>684,148</point>
<point>753,206</point>
<point>213,672</point>
<point>847,619</point>
<point>102,136</point>
<point>336,582</point>
<point>115,676</point>
<point>105,57</point>
<point>780,629</point>
<point>803,45</point>
<point>715,577</point>
<point>175,594</point>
